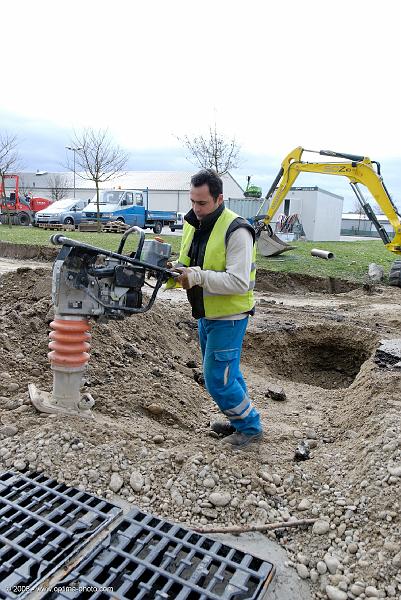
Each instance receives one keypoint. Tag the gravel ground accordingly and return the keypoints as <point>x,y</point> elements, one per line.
<point>150,442</point>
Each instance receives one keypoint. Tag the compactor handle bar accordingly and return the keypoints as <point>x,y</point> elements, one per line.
<point>65,241</point>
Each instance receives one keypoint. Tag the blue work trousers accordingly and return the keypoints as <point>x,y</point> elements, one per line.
<point>221,345</point>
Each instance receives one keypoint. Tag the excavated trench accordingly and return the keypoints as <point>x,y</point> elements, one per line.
<point>324,356</point>
<point>298,283</point>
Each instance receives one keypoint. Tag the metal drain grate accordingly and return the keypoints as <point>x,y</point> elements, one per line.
<point>147,558</point>
<point>42,523</point>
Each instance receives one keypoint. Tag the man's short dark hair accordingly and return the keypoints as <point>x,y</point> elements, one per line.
<point>212,180</point>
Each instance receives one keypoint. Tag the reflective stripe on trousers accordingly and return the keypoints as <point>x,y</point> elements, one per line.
<point>221,345</point>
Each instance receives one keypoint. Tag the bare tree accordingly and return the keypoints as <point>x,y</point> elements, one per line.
<point>212,151</point>
<point>358,210</point>
<point>58,184</point>
<point>10,162</point>
<point>23,187</point>
<point>99,158</point>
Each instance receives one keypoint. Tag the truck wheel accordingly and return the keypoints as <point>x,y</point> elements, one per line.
<point>157,227</point>
<point>68,221</point>
<point>395,274</point>
<point>172,229</point>
<point>120,220</point>
<point>24,219</point>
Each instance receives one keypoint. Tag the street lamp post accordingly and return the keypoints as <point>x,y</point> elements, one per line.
<point>74,150</point>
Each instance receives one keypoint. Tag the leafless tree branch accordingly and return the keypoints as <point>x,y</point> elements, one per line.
<point>58,184</point>
<point>10,161</point>
<point>98,158</point>
<point>212,151</point>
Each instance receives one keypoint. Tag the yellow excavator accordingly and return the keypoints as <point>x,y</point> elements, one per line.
<point>359,170</point>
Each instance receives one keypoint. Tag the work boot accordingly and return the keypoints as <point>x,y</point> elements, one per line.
<point>240,440</point>
<point>222,428</point>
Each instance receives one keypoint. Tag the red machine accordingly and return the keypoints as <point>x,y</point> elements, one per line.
<point>20,211</point>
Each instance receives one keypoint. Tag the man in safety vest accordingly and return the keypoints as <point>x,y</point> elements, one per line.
<point>217,266</point>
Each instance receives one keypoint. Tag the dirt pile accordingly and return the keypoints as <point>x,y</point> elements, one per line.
<point>150,441</point>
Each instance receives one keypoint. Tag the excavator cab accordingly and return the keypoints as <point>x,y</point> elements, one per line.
<point>252,191</point>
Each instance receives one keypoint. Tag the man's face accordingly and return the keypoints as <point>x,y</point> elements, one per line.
<point>203,203</point>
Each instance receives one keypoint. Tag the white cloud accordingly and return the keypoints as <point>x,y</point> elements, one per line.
<point>275,74</point>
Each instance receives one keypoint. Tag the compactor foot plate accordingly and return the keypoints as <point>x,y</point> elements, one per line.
<point>43,402</point>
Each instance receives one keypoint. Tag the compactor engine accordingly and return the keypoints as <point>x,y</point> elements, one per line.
<point>90,282</point>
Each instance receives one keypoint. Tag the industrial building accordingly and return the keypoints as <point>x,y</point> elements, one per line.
<point>318,211</point>
<point>359,224</point>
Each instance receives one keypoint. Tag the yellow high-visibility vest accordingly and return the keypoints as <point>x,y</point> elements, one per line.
<point>217,305</point>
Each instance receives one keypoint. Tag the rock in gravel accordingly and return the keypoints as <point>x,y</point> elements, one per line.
<point>276,479</point>
<point>321,567</point>
<point>20,465</point>
<point>302,452</point>
<point>116,482</point>
<point>372,592</point>
<point>13,387</point>
<point>305,504</point>
<point>158,438</point>
<point>93,475</point>
<point>265,476</point>
<point>333,593</point>
<point>302,571</point>
<point>394,470</point>
<point>356,589</point>
<point>220,498</point>
<point>276,392</point>
<point>8,430</point>
<point>375,273</point>
<point>332,563</point>
<point>209,482</point>
<point>321,527</point>
<point>136,481</point>
<point>314,576</point>
<point>176,497</point>
<point>353,548</point>
<point>154,409</point>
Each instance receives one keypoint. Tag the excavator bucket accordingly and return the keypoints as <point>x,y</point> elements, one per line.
<point>271,245</point>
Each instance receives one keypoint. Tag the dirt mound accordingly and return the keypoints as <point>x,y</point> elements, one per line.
<point>150,443</point>
<point>297,283</point>
<point>135,358</point>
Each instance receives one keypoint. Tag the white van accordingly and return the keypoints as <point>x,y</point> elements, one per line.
<point>67,211</point>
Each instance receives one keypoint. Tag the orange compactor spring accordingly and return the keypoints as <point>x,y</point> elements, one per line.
<point>69,343</point>
<point>69,354</point>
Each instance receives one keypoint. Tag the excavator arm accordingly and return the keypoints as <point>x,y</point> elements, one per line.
<point>359,170</point>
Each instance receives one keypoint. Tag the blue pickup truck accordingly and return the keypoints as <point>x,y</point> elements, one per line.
<point>130,207</point>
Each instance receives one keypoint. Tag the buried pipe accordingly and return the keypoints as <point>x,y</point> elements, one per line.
<point>321,253</point>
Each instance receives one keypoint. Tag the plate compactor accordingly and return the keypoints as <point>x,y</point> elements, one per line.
<point>89,282</point>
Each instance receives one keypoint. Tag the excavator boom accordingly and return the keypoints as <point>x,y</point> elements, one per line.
<point>359,170</point>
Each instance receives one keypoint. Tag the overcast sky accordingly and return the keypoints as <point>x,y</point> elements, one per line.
<point>274,75</point>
